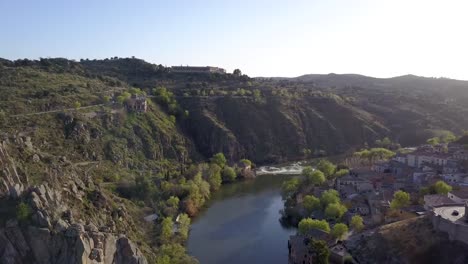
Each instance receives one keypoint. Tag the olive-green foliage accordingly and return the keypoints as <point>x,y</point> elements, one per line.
<point>167,226</point>
<point>321,251</point>
<point>375,154</point>
<point>357,223</point>
<point>339,230</point>
<point>307,224</point>
<point>290,187</point>
<point>400,199</point>
<point>229,174</point>
<point>329,197</point>
<point>214,178</point>
<point>335,210</point>
<point>311,203</point>
<point>246,162</point>
<point>167,99</point>
<point>219,159</point>
<point>184,226</point>
<point>23,211</point>
<point>326,167</point>
<point>123,97</point>
<point>317,177</point>
<point>442,188</point>
<point>172,253</point>
<point>433,141</point>
<point>341,172</point>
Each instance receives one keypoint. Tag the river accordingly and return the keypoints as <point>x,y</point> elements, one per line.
<point>241,224</point>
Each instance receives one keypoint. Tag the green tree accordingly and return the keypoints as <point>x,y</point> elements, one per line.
<point>329,197</point>
<point>214,178</point>
<point>173,201</point>
<point>144,188</point>
<point>257,95</point>
<point>326,167</point>
<point>311,203</point>
<point>357,223</point>
<point>317,178</point>
<point>229,174</point>
<point>246,162</point>
<point>290,187</point>
<point>237,72</point>
<point>184,226</point>
<point>321,251</point>
<point>76,104</point>
<point>341,173</point>
<point>306,152</point>
<point>448,137</point>
<point>400,199</point>
<point>172,253</point>
<point>339,230</point>
<point>219,159</point>
<point>167,225</point>
<point>23,211</point>
<point>335,210</point>
<point>123,97</point>
<point>433,141</point>
<point>307,224</point>
<point>442,188</point>
<point>307,171</point>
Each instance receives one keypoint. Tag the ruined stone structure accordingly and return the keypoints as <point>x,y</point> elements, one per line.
<point>453,220</point>
<point>137,103</point>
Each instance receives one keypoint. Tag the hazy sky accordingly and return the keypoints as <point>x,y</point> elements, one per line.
<point>262,38</point>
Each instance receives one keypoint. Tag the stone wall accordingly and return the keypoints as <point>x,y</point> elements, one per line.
<point>456,231</point>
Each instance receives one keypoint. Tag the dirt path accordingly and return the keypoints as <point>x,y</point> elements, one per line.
<point>56,111</point>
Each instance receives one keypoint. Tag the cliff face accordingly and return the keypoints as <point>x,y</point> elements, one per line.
<point>73,244</point>
<point>408,241</point>
<point>276,128</point>
<point>53,226</point>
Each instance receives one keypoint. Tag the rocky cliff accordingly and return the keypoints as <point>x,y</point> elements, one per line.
<point>277,128</point>
<point>53,226</point>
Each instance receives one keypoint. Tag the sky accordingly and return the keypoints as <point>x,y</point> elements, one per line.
<point>261,37</point>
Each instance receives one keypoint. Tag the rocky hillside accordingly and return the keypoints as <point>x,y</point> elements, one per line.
<point>409,241</point>
<point>79,171</point>
<point>66,219</point>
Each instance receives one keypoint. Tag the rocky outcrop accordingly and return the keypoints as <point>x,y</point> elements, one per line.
<point>77,244</point>
<point>11,184</point>
<point>54,232</point>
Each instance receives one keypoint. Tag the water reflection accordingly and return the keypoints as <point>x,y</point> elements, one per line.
<point>241,224</point>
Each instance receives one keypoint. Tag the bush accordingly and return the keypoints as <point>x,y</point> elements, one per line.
<point>229,175</point>
<point>23,211</point>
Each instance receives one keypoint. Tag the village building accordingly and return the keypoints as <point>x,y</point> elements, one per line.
<point>432,201</point>
<point>455,178</point>
<point>461,155</point>
<point>197,69</point>
<point>137,103</point>
<point>459,195</point>
<point>451,219</point>
<point>452,166</point>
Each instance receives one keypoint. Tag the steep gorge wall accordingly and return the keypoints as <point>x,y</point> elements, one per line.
<point>276,129</point>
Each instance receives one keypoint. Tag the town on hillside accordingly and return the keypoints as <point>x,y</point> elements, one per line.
<point>335,206</point>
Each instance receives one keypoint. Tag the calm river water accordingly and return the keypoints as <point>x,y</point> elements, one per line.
<point>241,225</point>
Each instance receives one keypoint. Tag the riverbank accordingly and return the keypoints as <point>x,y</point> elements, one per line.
<point>240,224</point>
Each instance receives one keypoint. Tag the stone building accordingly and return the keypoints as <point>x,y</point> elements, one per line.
<point>453,220</point>
<point>197,69</point>
<point>137,103</point>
